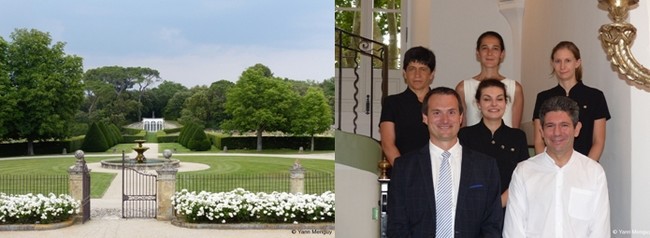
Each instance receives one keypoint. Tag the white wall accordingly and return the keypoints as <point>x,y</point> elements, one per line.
<point>640,113</point>
<point>453,27</point>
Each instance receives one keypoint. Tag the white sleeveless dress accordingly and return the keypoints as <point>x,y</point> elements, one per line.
<point>473,114</point>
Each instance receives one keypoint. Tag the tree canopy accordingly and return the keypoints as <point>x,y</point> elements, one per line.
<point>259,102</point>
<point>313,115</point>
<point>44,84</point>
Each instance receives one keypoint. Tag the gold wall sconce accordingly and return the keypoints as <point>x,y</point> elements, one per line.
<point>617,38</point>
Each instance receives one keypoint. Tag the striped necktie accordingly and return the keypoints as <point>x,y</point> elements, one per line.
<point>444,211</point>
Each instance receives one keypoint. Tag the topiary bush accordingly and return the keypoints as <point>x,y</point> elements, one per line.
<point>199,141</point>
<point>95,141</point>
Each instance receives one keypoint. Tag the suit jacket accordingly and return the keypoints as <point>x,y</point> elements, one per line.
<point>411,197</point>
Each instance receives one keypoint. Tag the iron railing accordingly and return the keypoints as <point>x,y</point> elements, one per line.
<point>315,182</point>
<point>34,183</point>
<point>349,50</point>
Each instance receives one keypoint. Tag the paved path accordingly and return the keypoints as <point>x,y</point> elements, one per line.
<point>106,221</point>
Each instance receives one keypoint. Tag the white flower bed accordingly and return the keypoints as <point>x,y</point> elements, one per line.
<point>36,209</point>
<point>241,206</point>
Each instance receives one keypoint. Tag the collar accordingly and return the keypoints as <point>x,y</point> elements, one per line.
<point>486,129</point>
<point>454,150</point>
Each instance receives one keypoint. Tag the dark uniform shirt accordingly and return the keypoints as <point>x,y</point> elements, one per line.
<point>508,146</point>
<point>592,107</point>
<point>405,111</point>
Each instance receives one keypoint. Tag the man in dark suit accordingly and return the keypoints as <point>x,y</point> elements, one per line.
<point>443,189</point>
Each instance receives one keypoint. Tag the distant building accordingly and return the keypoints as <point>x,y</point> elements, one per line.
<point>153,124</point>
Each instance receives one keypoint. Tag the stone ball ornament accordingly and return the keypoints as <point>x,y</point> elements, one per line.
<point>167,153</point>
<point>79,154</point>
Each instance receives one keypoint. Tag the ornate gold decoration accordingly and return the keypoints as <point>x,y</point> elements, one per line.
<point>383,165</point>
<point>617,38</point>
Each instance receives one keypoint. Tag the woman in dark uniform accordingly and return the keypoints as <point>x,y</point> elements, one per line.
<point>493,137</point>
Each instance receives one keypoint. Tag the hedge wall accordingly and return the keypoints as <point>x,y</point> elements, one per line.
<point>42,148</point>
<point>276,142</point>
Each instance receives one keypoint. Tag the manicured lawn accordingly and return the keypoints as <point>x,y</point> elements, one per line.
<point>237,167</point>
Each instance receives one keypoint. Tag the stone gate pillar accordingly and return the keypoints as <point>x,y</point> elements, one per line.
<point>297,181</point>
<point>75,178</point>
<point>166,185</point>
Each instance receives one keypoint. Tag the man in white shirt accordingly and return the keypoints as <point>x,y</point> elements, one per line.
<point>560,192</point>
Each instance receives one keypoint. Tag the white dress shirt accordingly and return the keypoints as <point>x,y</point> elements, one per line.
<point>545,200</point>
<point>455,161</point>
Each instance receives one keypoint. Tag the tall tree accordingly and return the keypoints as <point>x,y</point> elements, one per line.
<point>143,78</point>
<point>195,107</point>
<point>217,98</point>
<point>129,85</point>
<point>163,93</point>
<point>7,102</point>
<point>46,86</point>
<point>313,115</point>
<point>259,102</point>
<point>328,89</point>
<point>175,105</point>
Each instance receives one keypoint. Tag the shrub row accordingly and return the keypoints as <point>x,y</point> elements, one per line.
<point>172,130</point>
<point>277,142</point>
<point>100,137</point>
<point>167,139</point>
<point>131,131</point>
<point>131,138</point>
<point>43,147</point>
<point>215,139</point>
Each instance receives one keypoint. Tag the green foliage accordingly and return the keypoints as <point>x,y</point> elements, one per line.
<point>161,96</point>
<point>174,106</point>
<point>132,131</point>
<point>277,142</point>
<point>172,130</point>
<point>199,140</point>
<point>168,139</point>
<point>116,93</point>
<point>186,135</point>
<point>42,86</point>
<point>43,147</point>
<point>110,140</point>
<point>215,139</point>
<point>116,132</point>
<point>259,102</point>
<point>95,141</point>
<point>151,137</point>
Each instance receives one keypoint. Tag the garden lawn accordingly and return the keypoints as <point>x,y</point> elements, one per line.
<point>237,166</point>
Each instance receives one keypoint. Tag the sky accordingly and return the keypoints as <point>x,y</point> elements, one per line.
<point>192,42</point>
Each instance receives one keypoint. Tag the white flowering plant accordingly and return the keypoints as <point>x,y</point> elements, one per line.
<point>241,206</point>
<point>36,209</point>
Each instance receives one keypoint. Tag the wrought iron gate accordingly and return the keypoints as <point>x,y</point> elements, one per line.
<point>85,192</point>
<point>139,193</point>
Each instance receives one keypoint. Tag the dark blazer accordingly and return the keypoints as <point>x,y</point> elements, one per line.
<point>411,198</point>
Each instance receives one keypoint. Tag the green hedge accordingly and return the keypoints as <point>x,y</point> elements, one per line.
<point>95,140</point>
<point>168,139</point>
<point>172,130</point>
<point>131,131</point>
<point>131,138</point>
<point>42,148</point>
<point>215,139</point>
<point>276,142</point>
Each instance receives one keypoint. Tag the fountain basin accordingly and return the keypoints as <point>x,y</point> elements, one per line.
<point>148,164</point>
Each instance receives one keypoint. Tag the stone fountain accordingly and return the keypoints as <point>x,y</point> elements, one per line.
<point>140,162</point>
<point>140,150</point>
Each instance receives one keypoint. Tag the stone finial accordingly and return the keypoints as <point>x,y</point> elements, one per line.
<point>79,154</point>
<point>167,154</point>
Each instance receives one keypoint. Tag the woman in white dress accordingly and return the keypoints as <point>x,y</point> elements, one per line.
<point>490,52</point>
